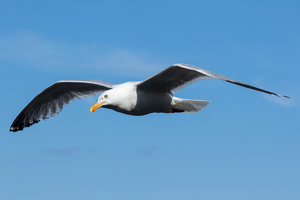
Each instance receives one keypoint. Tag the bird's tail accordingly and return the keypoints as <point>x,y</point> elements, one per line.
<point>188,106</point>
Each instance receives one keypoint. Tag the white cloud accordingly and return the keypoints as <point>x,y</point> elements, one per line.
<point>33,50</point>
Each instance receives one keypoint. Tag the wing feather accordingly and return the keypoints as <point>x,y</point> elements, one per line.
<point>178,76</point>
<point>54,98</point>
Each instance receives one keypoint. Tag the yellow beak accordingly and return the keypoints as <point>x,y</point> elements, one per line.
<point>96,106</point>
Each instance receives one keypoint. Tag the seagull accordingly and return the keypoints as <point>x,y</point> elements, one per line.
<point>155,94</point>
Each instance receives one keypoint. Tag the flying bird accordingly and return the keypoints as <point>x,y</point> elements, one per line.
<point>155,94</point>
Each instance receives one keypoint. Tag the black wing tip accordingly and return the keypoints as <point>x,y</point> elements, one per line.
<point>279,95</point>
<point>258,89</point>
<point>15,128</point>
<point>286,96</point>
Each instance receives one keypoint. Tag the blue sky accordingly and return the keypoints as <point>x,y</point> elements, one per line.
<point>244,145</point>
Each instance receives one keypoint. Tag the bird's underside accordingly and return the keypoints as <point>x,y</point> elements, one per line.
<point>176,77</point>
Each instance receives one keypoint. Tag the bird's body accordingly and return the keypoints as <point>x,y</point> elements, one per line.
<point>155,94</point>
<point>127,98</point>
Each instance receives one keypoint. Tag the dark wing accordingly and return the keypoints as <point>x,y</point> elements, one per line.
<point>54,98</point>
<point>178,76</point>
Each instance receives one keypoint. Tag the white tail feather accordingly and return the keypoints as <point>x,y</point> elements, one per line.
<point>189,106</point>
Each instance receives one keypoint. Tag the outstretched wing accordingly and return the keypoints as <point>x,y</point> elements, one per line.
<point>54,98</point>
<point>178,76</point>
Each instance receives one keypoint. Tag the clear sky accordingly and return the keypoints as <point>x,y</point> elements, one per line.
<point>244,145</point>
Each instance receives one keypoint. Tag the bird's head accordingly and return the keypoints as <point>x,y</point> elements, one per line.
<point>103,99</point>
<point>122,98</point>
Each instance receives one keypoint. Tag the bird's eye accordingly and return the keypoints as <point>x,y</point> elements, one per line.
<point>105,96</point>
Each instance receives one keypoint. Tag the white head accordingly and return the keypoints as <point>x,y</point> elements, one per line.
<point>104,99</point>
<point>122,97</point>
